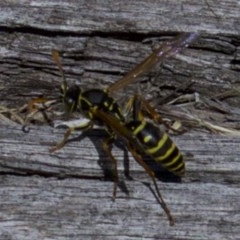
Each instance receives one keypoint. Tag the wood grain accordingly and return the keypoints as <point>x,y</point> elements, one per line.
<point>65,195</point>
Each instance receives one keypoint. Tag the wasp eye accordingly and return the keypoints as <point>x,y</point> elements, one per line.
<point>69,100</point>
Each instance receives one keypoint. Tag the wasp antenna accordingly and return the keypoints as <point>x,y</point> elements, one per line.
<point>57,60</point>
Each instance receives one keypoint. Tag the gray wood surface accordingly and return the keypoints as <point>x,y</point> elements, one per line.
<point>65,195</point>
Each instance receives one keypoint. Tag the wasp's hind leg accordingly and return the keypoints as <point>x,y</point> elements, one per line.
<point>83,127</point>
<point>107,145</point>
<point>151,174</point>
<point>140,104</point>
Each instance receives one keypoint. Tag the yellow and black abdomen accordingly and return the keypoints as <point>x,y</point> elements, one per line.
<point>158,146</point>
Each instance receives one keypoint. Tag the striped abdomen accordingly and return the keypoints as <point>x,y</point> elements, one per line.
<point>158,146</point>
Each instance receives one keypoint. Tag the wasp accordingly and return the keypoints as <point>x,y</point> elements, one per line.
<point>75,99</point>
<point>141,136</point>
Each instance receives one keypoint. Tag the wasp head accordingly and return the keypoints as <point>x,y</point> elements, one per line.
<point>71,98</point>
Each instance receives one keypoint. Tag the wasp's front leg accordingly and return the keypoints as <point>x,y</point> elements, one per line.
<point>83,127</point>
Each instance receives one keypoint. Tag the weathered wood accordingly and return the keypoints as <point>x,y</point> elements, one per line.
<point>207,155</point>
<point>101,52</point>
<point>63,195</point>
<point>125,17</point>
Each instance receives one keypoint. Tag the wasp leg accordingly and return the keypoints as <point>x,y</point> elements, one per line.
<point>83,127</point>
<point>139,103</point>
<point>107,144</point>
<point>32,104</point>
<point>128,107</point>
<point>35,106</point>
<point>152,176</point>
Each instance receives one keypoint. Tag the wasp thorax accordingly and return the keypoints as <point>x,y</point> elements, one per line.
<point>71,98</point>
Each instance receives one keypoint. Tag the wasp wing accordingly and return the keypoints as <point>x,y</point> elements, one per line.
<point>166,50</point>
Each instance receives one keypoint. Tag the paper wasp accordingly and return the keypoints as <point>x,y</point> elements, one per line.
<point>75,99</point>
<point>100,108</point>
